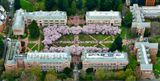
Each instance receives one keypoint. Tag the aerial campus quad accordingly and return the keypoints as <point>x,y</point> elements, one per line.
<point>47,40</point>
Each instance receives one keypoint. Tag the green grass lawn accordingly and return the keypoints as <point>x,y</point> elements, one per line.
<point>41,47</point>
<point>101,37</point>
<point>107,44</point>
<point>66,38</point>
<point>87,44</point>
<point>30,45</point>
<point>35,48</point>
<point>64,44</point>
<point>84,37</point>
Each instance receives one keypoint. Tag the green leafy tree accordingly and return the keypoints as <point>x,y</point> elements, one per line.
<point>79,4</point>
<point>117,44</point>
<point>106,5</point>
<point>89,70</point>
<point>73,8</point>
<point>39,6</point>
<point>88,77</point>
<point>120,75</point>
<point>32,74</point>
<point>157,2</point>
<point>100,74</point>
<point>37,72</point>
<point>17,4</point>
<point>8,76</point>
<point>119,5</point>
<point>11,75</point>
<point>49,4</point>
<point>1,46</point>
<point>1,67</point>
<point>51,76</point>
<point>68,71</point>
<point>129,72</point>
<point>131,78</point>
<point>63,5</point>
<point>92,4</point>
<point>127,21</point>
<point>62,76</point>
<point>34,30</point>
<point>5,4</point>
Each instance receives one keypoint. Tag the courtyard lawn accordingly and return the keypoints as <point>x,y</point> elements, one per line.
<point>63,44</point>
<point>30,45</point>
<point>85,37</point>
<point>102,37</point>
<point>66,38</point>
<point>41,47</point>
<point>87,44</point>
<point>107,44</point>
<point>35,48</point>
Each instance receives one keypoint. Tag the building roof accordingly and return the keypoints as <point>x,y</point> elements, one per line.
<point>13,54</point>
<point>21,14</point>
<point>103,15</point>
<point>151,11</point>
<point>139,13</point>
<point>3,15</point>
<point>150,45</point>
<point>146,66</point>
<point>12,51</point>
<point>143,54</point>
<point>48,57</point>
<point>45,15</point>
<point>105,57</point>
<point>18,20</point>
<point>138,17</point>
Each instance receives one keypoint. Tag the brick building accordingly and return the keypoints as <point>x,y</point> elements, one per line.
<point>43,19</point>
<point>139,15</point>
<point>112,18</point>
<point>109,60</point>
<point>150,2</point>
<point>144,52</point>
<point>47,61</point>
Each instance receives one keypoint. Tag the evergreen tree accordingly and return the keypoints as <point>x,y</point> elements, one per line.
<point>49,4</point>
<point>34,30</point>
<point>127,21</point>
<point>106,5</point>
<point>91,4</point>
<point>79,4</point>
<point>17,4</point>
<point>117,44</point>
<point>1,46</point>
<point>73,8</point>
<point>63,5</point>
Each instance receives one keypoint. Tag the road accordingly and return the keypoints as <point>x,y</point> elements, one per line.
<point>76,73</point>
<point>8,25</point>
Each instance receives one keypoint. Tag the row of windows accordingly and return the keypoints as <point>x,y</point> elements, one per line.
<point>29,20</point>
<point>100,64</point>
<point>109,67</point>
<point>51,66</point>
<point>51,63</point>
<point>106,21</point>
